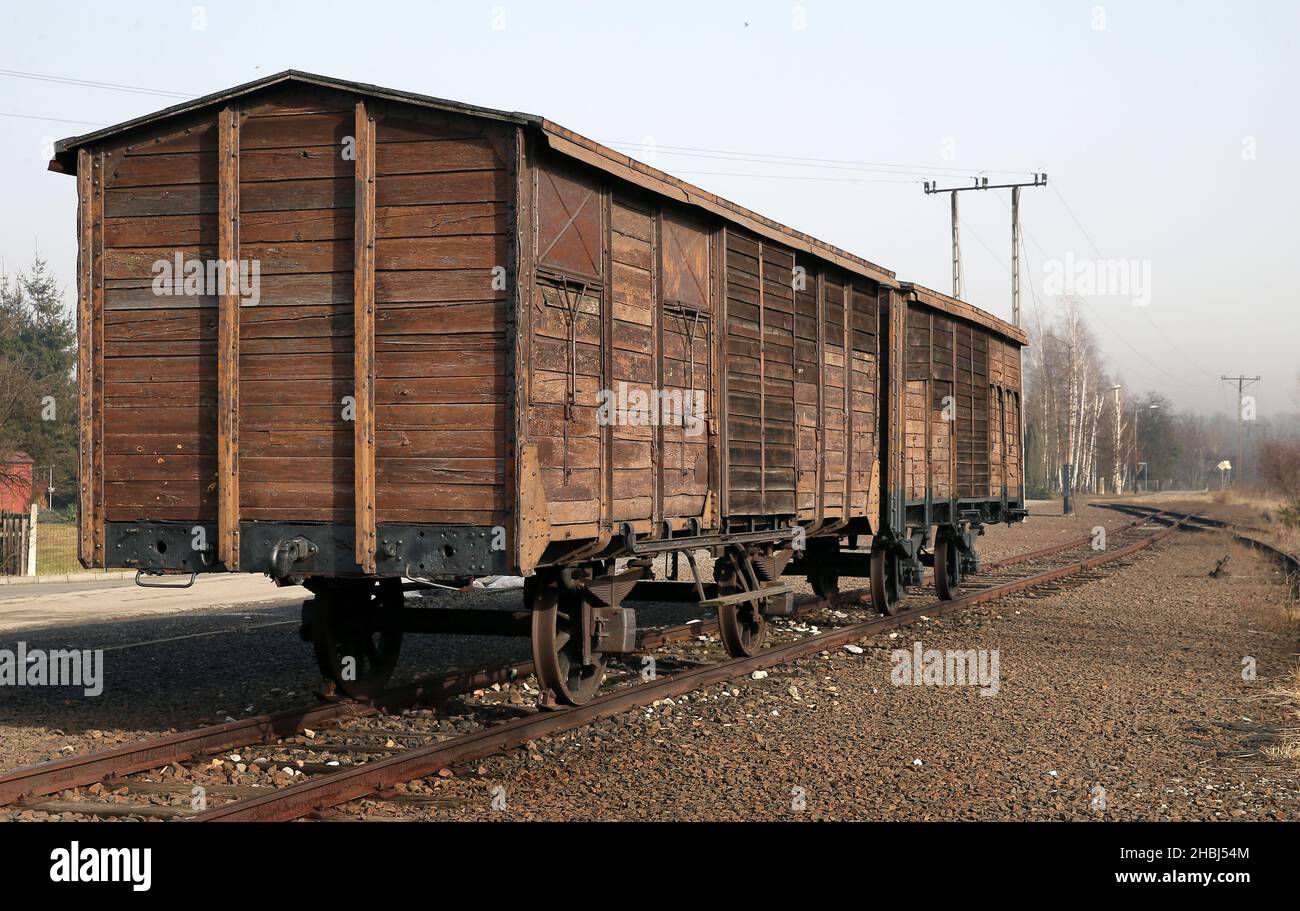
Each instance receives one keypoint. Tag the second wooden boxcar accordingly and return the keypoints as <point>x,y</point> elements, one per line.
<point>347,336</point>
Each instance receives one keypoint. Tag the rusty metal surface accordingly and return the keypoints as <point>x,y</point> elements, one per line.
<point>568,223</point>
<point>50,777</point>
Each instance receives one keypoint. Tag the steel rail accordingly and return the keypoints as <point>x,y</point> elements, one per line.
<point>299,800</point>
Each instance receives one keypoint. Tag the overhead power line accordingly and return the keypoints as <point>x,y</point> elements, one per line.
<point>94,84</point>
<point>803,161</point>
<point>1181,381</point>
<point>1097,250</point>
<point>86,123</point>
<point>803,177</point>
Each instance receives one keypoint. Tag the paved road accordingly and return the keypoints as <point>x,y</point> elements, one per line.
<point>58,603</point>
<point>13,592</point>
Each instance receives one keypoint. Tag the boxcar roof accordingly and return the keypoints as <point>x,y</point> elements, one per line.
<point>959,308</point>
<point>570,144</point>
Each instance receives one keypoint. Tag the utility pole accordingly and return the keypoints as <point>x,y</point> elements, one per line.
<point>982,183</point>
<point>956,250</point>
<point>1015,255</point>
<point>1243,383</point>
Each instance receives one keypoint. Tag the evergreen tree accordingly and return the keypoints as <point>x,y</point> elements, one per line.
<point>38,395</point>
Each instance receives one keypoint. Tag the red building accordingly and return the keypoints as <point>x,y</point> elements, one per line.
<point>16,483</point>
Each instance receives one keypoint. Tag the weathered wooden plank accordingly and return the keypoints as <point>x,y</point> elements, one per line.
<point>460,187</point>
<point>477,252</point>
<point>365,499</point>
<point>160,468</point>
<point>166,169</point>
<point>187,418</point>
<point>228,343</point>
<point>274,130</point>
<point>448,251</point>
<point>89,353</point>
<point>459,443</point>
<point>99,180</point>
<point>436,155</point>
<point>440,219</point>
<point>192,494</point>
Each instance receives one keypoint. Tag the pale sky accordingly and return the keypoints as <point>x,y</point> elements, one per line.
<point>1168,131</point>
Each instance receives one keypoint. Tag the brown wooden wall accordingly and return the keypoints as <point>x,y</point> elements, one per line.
<point>441,326</point>
<point>622,302</point>
<point>441,196</point>
<point>865,343</point>
<point>815,412</point>
<point>761,466</point>
<point>296,345</point>
<point>158,373</point>
<point>835,402</point>
<point>962,427</point>
<point>637,320</point>
<point>1004,414</point>
<point>686,294</point>
<point>568,318</point>
<point>809,451</point>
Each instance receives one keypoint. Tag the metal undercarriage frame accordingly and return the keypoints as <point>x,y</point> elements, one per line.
<point>574,603</point>
<point>285,550</point>
<point>961,519</point>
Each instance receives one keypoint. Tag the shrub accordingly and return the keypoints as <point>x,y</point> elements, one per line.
<point>1279,469</point>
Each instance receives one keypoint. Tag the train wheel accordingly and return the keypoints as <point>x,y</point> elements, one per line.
<point>947,567</point>
<point>558,631</point>
<point>825,583</point>
<point>743,627</point>
<point>356,644</point>
<point>825,578</point>
<point>886,592</point>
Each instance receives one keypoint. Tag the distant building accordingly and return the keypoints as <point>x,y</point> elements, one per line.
<point>16,482</point>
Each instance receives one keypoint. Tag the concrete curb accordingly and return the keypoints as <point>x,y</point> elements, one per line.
<point>65,577</point>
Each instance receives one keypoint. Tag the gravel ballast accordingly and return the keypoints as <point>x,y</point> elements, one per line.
<point>1122,698</point>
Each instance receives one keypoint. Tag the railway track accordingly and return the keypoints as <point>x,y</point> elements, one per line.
<point>1247,535</point>
<point>371,759</point>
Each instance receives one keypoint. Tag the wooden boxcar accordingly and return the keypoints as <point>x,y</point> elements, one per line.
<point>347,336</point>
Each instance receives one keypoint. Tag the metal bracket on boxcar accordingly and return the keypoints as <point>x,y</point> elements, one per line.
<point>140,572</point>
<point>660,545</point>
<point>286,553</point>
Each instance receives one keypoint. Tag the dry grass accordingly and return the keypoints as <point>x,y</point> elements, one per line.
<point>1265,511</point>
<point>1268,510</point>
<point>1288,748</point>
